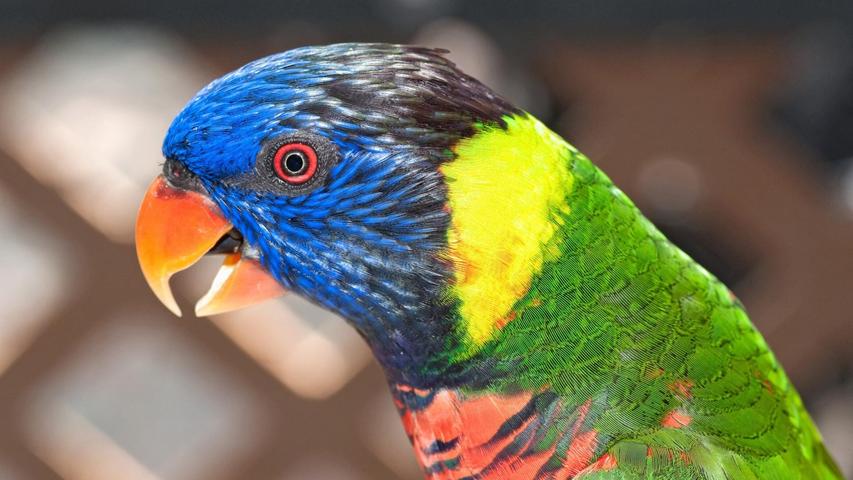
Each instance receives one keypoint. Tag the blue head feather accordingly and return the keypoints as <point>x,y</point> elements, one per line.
<point>366,243</point>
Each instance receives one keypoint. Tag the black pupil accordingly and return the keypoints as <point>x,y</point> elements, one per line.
<point>294,163</point>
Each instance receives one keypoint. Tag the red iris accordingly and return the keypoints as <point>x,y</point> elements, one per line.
<point>295,163</point>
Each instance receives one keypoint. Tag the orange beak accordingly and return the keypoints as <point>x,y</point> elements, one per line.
<point>174,229</point>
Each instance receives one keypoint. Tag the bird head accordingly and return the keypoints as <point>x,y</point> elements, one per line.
<point>324,171</point>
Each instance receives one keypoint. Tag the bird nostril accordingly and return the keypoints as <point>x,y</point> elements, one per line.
<point>178,175</point>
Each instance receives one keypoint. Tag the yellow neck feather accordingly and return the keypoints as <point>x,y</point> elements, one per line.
<point>508,192</point>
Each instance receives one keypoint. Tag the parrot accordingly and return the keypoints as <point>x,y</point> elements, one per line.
<point>530,321</point>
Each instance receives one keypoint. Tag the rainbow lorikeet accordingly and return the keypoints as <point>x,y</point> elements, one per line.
<point>531,322</point>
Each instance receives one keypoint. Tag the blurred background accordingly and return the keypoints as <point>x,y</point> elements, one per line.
<point>729,123</point>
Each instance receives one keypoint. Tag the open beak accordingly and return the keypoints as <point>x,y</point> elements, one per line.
<point>175,228</point>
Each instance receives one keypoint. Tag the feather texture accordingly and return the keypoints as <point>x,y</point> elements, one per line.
<point>621,358</point>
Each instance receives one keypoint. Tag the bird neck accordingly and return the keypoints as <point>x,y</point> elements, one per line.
<point>510,189</point>
<point>543,249</point>
<point>526,384</point>
<point>507,189</point>
<point>539,245</point>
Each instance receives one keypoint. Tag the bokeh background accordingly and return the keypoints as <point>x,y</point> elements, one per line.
<point>729,123</point>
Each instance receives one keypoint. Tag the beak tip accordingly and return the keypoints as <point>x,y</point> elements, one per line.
<point>202,309</point>
<point>168,300</point>
<point>175,310</point>
<point>208,306</point>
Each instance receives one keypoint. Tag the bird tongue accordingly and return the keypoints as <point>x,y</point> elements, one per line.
<point>174,229</point>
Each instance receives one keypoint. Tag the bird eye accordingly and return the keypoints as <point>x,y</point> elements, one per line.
<point>295,163</point>
<point>292,164</point>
